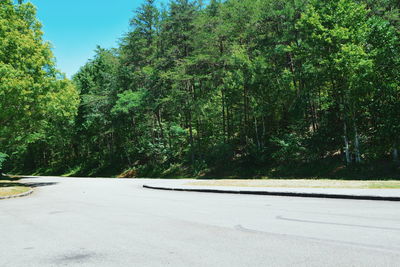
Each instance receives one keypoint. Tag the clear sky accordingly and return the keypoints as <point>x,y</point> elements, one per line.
<point>75,27</point>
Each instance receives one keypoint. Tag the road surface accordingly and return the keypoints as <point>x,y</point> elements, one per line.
<point>110,222</point>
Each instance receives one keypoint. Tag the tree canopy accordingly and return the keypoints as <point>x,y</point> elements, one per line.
<point>222,87</point>
<point>36,101</point>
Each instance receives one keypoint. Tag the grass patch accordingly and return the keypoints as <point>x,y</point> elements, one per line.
<point>302,183</point>
<point>10,187</point>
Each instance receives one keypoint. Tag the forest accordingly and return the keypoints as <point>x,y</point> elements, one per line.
<point>210,89</point>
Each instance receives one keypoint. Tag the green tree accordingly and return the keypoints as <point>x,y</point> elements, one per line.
<point>33,98</point>
<point>334,50</point>
<point>95,133</point>
<point>196,86</point>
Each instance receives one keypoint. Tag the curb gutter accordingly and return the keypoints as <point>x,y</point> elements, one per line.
<point>270,193</point>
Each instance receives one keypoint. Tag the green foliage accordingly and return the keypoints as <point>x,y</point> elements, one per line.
<point>36,105</point>
<point>289,148</point>
<point>3,158</point>
<point>128,101</point>
<point>230,86</point>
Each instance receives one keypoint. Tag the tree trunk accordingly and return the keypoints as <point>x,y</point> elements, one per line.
<point>228,122</point>
<point>244,117</point>
<point>191,138</point>
<point>395,154</point>
<point>263,133</point>
<point>256,131</point>
<point>158,117</point>
<point>346,144</point>
<point>357,145</point>
<point>189,89</point>
<point>223,116</point>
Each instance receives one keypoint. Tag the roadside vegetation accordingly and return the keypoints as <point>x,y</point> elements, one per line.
<point>301,183</point>
<point>10,187</point>
<point>235,88</point>
<point>3,158</point>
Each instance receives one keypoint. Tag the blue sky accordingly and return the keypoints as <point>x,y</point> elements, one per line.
<point>75,27</point>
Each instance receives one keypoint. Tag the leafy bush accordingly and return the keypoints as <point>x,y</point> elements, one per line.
<point>3,158</point>
<point>289,148</point>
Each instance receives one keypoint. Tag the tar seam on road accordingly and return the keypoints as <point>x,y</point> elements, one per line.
<point>339,224</point>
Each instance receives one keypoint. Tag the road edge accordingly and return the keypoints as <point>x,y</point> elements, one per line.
<point>273,193</point>
<point>18,195</point>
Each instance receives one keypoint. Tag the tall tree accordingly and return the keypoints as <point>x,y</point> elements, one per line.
<point>32,97</point>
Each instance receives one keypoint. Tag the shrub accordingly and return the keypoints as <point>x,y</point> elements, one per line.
<point>289,148</point>
<point>3,158</point>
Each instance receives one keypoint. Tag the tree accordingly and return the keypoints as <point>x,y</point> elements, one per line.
<point>32,97</point>
<point>209,86</point>
<point>334,50</point>
<point>3,158</point>
<point>94,134</point>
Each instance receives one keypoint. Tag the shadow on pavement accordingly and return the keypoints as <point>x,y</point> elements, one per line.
<point>34,185</point>
<point>13,181</point>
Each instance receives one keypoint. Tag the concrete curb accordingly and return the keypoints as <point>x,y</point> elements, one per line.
<point>270,193</point>
<point>19,195</point>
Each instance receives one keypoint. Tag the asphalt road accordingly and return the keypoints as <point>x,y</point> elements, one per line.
<point>109,222</point>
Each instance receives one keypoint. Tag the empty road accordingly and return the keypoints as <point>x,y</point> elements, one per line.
<point>110,222</point>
